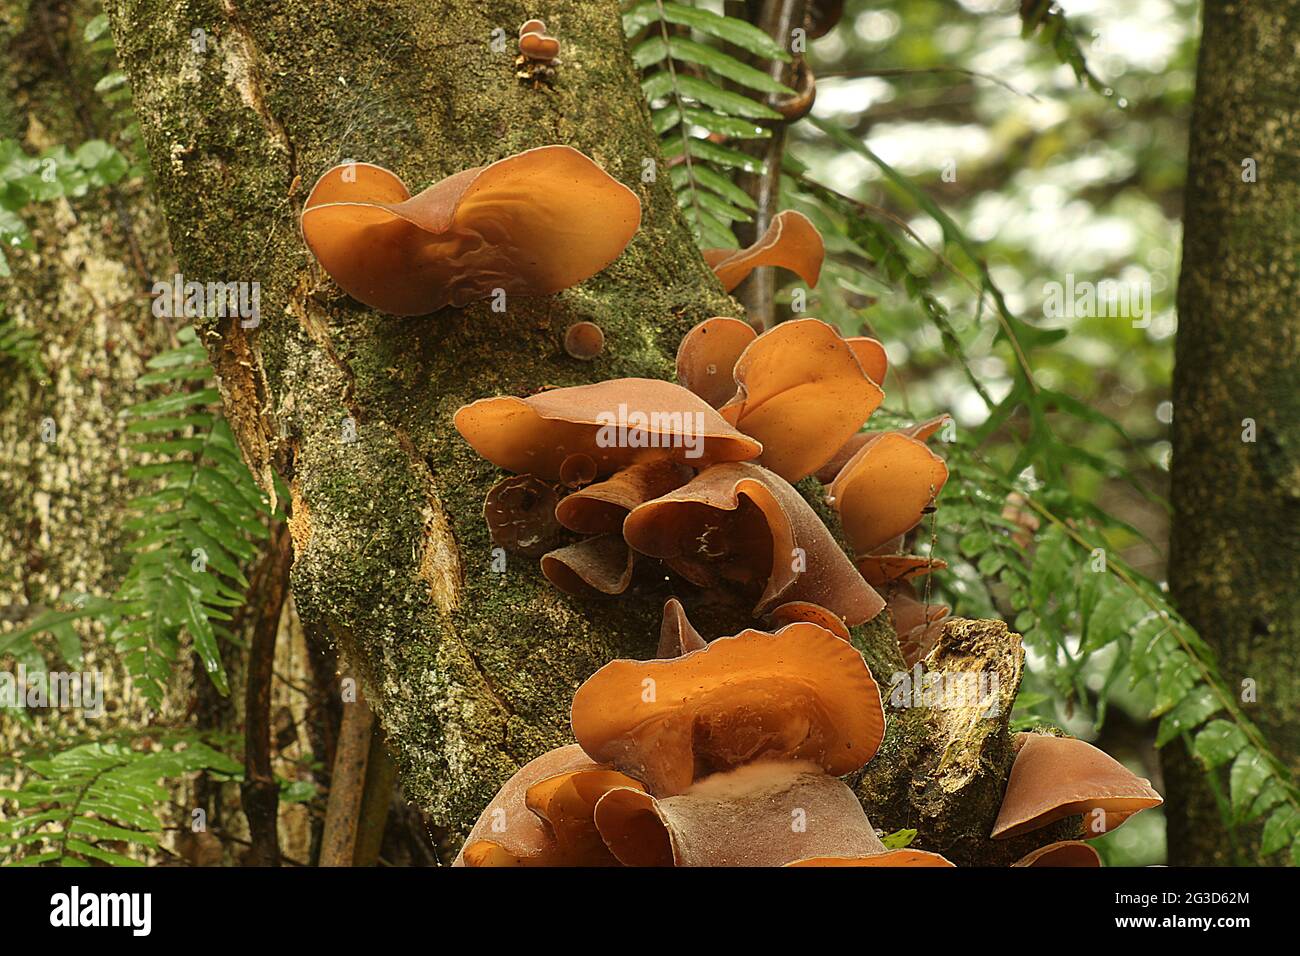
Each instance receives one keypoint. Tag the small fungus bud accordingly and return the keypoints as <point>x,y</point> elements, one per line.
<point>584,341</point>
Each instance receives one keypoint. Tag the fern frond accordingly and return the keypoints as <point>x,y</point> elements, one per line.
<point>728,29</point>
<point>192,533</point>
<point>1046,20</point>
<point>695,113</point>
<point>94,802</point>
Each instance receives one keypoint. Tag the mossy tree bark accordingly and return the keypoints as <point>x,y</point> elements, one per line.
<point>1235,554</point>
<point>470,672</point>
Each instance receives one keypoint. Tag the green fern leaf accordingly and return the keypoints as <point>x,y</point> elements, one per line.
<point>89,802</point>
<point>656,50</point>
<point>729,29</point>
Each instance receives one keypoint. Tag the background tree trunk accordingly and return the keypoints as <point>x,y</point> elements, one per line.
<point>470,672</point>
<point>79,291</point>
<point>83,291</point>
<point>1235,552</point>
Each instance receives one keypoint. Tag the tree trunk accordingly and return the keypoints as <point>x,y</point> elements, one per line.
<point>470,672</point>
<point>1235,553</point>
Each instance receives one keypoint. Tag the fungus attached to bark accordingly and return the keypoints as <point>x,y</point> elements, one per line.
<point>916,643</point>
<point>722,754</point>
<point>567,803</point>
<point>921,431</point>
<point>676,634</point>
<point>743,525</point>
<point>584,341</point>
<point>707,357</point>
<point>615,423</point>
<point>917,624</point>
<point>601,508</point>
<point>520,513</point>
<point>592,567</point>
<point>885,489</point>
<point>871,356</point>
<point>536,44</point>
<point>799,694</point>
<point>924,431</point>
<point>791,242</point>
<point>904,857</point>
<point>795,611</point>
<point>801,391</point>
<point>882,569</point>
<point>531,224</point>
<point>1057,777</point>
<point>542,816</point>
<point>629,822</point>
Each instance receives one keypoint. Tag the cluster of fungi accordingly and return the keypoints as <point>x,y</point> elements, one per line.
<point>730,753</point>
<point>536,44</point>
<point>722,752</point>
<point>539,53</point>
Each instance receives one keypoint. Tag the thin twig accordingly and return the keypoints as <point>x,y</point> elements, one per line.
<point>381,774</point>
<point>260,793</point>
<point>347,784</point>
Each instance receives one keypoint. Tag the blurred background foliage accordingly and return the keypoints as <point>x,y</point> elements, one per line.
<point>1050,177</point>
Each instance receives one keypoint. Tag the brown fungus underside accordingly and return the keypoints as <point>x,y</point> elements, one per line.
<point>706,491</point>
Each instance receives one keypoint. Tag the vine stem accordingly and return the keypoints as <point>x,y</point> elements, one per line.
<point>776,18</point>
<point>681,112</point>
